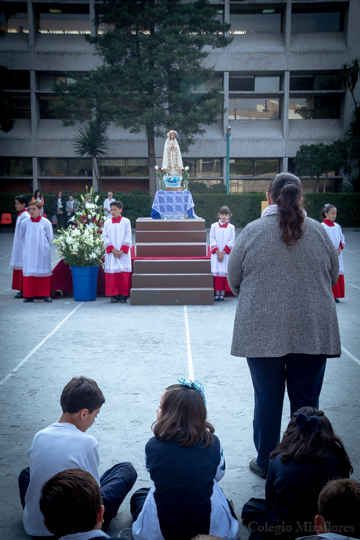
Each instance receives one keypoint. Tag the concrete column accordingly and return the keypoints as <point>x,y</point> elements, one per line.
<point>226,89</point>
<point>286,85</point>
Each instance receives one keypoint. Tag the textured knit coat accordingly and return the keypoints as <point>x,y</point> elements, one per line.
<point>285,303</point>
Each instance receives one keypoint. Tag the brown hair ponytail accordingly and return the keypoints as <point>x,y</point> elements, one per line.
<point>285,191</point>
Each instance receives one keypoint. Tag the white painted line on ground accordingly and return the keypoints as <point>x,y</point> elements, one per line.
<point>352,253</point>
<point>13,371</point>
<point>6,290</point>
<point>350,355</point>
<point>355,287</point>
<point>188,345</point>
<point>4,257</point>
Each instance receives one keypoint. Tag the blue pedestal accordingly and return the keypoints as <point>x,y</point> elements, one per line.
<point>84,282</point>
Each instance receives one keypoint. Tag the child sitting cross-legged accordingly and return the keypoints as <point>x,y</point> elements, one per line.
<point>186,462</point>
<point>66,445</point>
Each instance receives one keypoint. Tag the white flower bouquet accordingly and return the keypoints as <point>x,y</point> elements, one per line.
<point>81,244</point>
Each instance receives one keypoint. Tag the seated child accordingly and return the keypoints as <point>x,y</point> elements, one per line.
<point>17,254</point>
<point>71,504</point>
<point>186,462</point>
<point>66,445</point>
<point>339,509</point>
<point>37,235</point>
<point>117,240</point>
<point>308,456</point>
<point>222,238</point>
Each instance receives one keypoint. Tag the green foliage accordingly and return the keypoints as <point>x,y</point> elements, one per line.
<point>347,205</point>
<point>316,159</point>
<point>217,188</point>
<point>91,140</point>
<point>197,187</point>
<point>245,207</point>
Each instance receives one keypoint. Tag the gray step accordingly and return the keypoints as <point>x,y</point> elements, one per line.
<point>170,236</point>
<point>172,297</point>
<point>183,266</point>
<point>168,281</point>
<point>149,224</point>
<point>174,249</point>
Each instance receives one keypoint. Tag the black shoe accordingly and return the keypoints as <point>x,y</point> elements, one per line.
<point>221,298</point>
<point>122,299</point>
<point>254,467</point>
<point>27,300</point>
<point>47,299</point>
<point>216,297</point>
<point>336,300</point>
<point>19,295</point>
<point>114,300</point>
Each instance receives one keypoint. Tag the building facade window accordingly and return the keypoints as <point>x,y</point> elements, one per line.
<point>47,81</point>
<point>14,18</point>
<point>254,83</point>
<point>253,108</point>
<point>65,167</point>
<point>314,107</point>
<point>204,167</point>
<point>315,96</point>
<point>15,166</point>
<point>46,107</point>
<point>251,168</point>
<point>262,20</point>
<point>315,20</point>
<point>124,167</point>
<point>63,18</point>
<point>306,81</point>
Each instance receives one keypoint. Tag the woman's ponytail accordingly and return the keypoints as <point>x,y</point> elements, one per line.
<point>285,191</point>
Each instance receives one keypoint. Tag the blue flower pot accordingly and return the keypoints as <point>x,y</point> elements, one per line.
<point>84,282</point>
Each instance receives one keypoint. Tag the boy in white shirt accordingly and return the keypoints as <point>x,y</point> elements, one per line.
<point>66,445</point>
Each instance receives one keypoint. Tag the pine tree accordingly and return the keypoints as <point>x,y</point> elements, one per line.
<point>152,54</point>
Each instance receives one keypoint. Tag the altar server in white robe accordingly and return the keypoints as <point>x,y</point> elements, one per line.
<point>329,213</point>
<point>37,234</point>
<point>117,241</point>
<point>222,239</point>
<point>16,261</point>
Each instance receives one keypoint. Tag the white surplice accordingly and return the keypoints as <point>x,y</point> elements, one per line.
<point>17,254</point>
<point>221,237</point>
<point>37,237</point>
<point>337,237</point>
<point>117,235</point>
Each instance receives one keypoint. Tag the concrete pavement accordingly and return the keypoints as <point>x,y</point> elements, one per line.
<point>134,352</point>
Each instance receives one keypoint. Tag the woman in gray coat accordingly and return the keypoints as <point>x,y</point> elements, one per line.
<point>282,268</point>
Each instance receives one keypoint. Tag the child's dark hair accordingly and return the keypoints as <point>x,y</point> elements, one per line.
<point>285,191</point>
<point>183,417</point>
<point>81,393</point>
<point>22,199</point>
<point>225,210</point>
<point>37,191</point>
<point>309,443</point>
<point>70,501</point>
<point>118,204</point>
<point>338,504</point>
<point>325,210</point>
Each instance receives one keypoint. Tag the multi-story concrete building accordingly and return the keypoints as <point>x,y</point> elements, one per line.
<point>279,77</point>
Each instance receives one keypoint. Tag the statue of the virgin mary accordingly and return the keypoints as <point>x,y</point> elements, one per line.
<point>172,160</point>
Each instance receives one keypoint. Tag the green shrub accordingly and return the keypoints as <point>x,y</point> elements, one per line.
<point>217,188</point>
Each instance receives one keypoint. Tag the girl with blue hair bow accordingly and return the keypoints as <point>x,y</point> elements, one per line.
<point>185,462</point>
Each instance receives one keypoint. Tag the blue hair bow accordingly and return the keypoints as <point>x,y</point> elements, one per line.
<point>303,421</point>
<point>193,383</point>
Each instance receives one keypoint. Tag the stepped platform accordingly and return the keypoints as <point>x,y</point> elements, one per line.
<point>171,265</point>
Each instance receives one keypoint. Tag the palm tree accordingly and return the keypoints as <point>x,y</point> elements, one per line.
<point>92,141</point>
<point>349,76</point>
